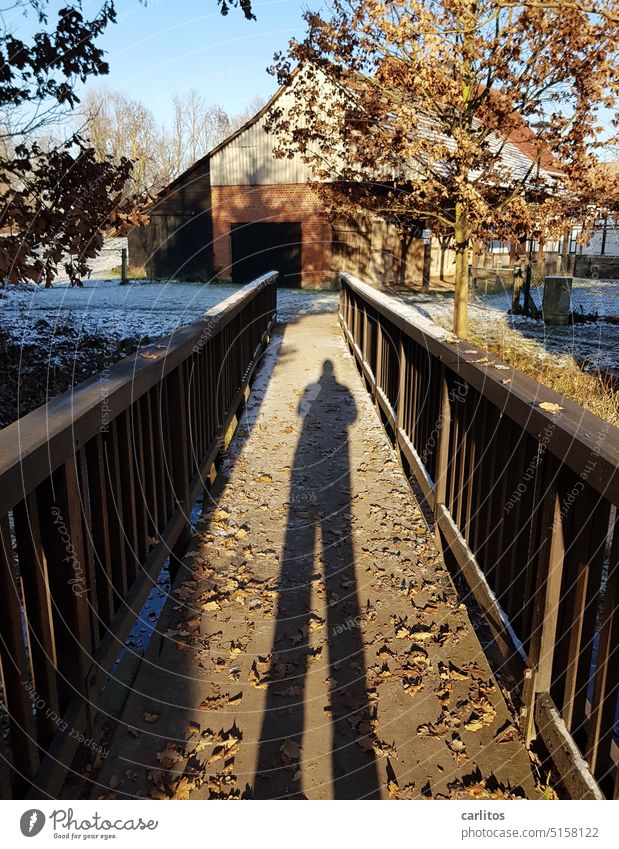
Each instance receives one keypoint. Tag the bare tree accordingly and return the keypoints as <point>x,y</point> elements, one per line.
<point>118,127</point>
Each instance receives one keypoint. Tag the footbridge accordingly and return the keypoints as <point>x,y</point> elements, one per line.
<point>346,557</point>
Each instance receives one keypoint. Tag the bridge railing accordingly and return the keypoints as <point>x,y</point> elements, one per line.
<point>96,491</point>
<point>524,486</point>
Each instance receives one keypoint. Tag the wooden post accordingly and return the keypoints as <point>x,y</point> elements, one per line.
<point>562,263</point>
<point>123,267</point>
<point>601,721</point>
<point>517,289</point>
<point>15,669</point>
<point>527,288</point>
<point>402,373</point>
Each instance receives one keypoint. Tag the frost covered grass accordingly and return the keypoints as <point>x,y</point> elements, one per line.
<point>580,362</point>
<point>596,391</point>
<point>140,308</point>
<point>52,339</point>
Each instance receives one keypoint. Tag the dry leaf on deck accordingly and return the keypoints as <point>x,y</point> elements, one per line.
<point>550,407</point>
<point>151,717</point>
<point>290,749</point>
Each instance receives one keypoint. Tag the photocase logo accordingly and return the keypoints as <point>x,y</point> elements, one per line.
<point>32,822</point>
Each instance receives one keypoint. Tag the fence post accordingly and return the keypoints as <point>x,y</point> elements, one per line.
<point>123,267</point>
<point>517,289</point>
<point>526,307</point>
<point>427,265</point>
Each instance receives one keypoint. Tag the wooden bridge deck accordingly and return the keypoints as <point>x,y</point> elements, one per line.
<point>313,644</point>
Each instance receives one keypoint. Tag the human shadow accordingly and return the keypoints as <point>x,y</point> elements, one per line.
<point>318,530</point>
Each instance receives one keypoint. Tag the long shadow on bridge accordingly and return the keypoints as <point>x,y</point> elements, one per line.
<point>319,524</point>
<point>291,659</point>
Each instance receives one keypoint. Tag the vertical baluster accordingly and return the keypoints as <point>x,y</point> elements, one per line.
<point>551,554</point>
<point>128,492</point>
<point>442,453</point>
<point>178,457</point>
<point>479,488</point>
<point>486,517</point>
<point>150,477</point>
<point>37,610</point>
<point>61,533</point>
<point>200,378</point>
<point>601,723</point>
<point>415,397</point>
<point>89,556</point>
<point>15,669</point>
<point>161,470</point>
<point>585,556</point>
<point>380,362</point>
<point>137,428</point>
<point>496,550</point>
<point>116,526</point>
<point>95,461</point>
<point>518,520</point>
<point>426,425</point>
<point>402,385</point>
<point>454,455</point>
<point>471,470</point>
<point>462,456</point>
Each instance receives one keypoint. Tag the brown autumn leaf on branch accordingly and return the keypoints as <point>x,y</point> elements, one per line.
<point>479,120</point>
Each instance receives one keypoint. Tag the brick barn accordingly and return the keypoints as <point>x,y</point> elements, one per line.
<point>239,211</point>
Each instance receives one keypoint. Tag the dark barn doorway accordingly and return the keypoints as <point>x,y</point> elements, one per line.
<point>264,246</point>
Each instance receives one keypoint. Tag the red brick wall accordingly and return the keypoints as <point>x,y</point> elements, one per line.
<point>277,203</point>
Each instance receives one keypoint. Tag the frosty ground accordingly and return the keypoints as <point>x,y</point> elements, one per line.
<point>138,309</point>
<point>52,339</point>
<point>594,344</point>
<point>151,309</point>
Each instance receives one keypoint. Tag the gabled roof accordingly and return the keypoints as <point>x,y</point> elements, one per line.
<point>197,165</point>
<point>522,140</point>
<point>525,139</point>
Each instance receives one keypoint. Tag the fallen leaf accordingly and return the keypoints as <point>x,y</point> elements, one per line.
<point>290,749</point>
<point>550,407</point>
<point>183,789</point>
<point>151,717</point>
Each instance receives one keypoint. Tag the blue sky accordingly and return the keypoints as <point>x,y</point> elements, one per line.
<point>170,46</point>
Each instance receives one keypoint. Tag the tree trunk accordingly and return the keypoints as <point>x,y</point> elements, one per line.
<point>461,300</point>
<point>427,264</point>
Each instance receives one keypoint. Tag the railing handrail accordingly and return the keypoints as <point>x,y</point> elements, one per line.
<point>575,433</point>
<point>97,490</point>
<point>525,502</point>
<point>37,443</point>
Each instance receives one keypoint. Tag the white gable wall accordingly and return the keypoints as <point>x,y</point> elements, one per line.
<point>248,159</point>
